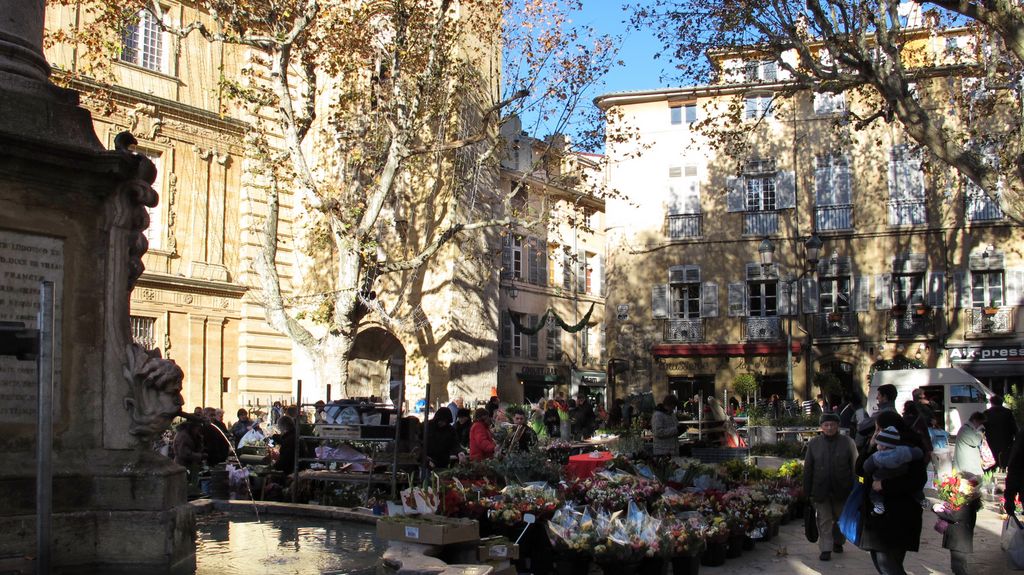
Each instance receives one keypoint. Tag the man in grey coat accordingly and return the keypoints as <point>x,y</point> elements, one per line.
<point>829,474</point>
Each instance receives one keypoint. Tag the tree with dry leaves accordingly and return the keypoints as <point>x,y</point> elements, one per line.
<point>961,103</point>
<point>375,130</point>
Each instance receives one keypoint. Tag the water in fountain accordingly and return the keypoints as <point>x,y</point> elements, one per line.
<point>248,485</point>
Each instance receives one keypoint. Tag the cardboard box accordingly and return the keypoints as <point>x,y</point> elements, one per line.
<point>497,548</point>
<point>428,529</point>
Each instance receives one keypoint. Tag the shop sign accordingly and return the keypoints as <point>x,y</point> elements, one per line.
<point>538,370</point>
<point>695,365</point>
<point>759,363</point>
<point>988,353</point>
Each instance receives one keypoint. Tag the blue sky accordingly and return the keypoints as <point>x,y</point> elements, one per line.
<point>639,69</point>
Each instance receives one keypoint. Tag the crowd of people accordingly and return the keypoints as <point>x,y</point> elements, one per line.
<point>889,450</point>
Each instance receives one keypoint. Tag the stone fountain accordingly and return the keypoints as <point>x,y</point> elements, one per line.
<point>73,213</point>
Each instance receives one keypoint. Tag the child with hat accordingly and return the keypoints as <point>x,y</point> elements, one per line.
<point>890,460</point>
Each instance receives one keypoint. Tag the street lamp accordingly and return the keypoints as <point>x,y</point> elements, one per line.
<point>812,248</point>
<point>511,290</point>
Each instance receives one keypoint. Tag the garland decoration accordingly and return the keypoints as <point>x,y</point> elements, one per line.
<point>898,362</point>
<point>544,320</point>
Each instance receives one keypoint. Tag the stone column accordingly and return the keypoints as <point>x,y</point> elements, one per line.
<point>21,39</point>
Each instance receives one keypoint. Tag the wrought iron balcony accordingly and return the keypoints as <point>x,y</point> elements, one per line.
<point>988,321</point>
<point>684,330</point>
<point>833,218</point>
<point>907,213</point>
<point>760,223</point>
<point>836,324</point>
<point>912,321</point>
<point>680,226</point>
<point>981,208</point>
<point>762,329</point>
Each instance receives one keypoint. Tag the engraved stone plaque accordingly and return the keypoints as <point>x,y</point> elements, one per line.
<point>25,261</point>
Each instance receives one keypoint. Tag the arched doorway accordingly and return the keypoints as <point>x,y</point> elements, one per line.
<point>377,364</point>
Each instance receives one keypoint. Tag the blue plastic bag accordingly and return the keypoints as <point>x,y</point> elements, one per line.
<point>850,522</point>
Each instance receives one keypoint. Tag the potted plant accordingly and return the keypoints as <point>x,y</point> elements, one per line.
<point>922,309</point>
<point>835,316</point>
<point>990,310</point>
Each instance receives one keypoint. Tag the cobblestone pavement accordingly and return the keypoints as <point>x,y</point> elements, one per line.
<point>790,553</point>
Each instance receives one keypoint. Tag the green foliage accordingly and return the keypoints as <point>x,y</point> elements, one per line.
<point>522,467</point>
<point>1014,401</point>
<point>745,384</point>
<point>828,383</point>
<point>898,362</point>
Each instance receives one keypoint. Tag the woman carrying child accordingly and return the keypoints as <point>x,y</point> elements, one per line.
<point>888,537</point>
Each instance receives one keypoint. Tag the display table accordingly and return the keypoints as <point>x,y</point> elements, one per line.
<point>584,465</point>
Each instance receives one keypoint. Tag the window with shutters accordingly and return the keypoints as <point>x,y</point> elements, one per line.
<point>756,106</point>
<point>763,298</point>
<point>834,294</point>
<point>908,289</point>
<point>832,191</point>
<point>987,288</point>
<point>142,43</point>
<point>517,257</point>
<point>906,187</point>
<point>685,291</point>
<point>827,103</point>
<point>553,340</point>
<point>760,193</point>
<point>760,71</point>
<point>982,206</point>
<point>154,233</point>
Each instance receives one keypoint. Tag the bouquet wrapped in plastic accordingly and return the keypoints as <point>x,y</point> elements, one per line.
<point>629,537</point>
<point>573,531</point>
<point>509,506</point>
<point>683,535</point>
<point>956,491</point>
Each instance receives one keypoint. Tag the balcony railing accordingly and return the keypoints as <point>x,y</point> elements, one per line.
<point>763,329</point>
<point>683,226</point>
<point>833,218</point>
<point>836,324</point>
<point>907,213</point>
<point>684,330</point>
<point>981,208</point>
<point>760,223</point>
<point>988,321</point>
<point>912,322</point>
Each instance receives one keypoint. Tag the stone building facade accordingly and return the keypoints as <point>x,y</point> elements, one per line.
<point>916,264</point>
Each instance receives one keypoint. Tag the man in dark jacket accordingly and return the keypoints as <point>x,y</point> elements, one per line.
<point>886,400</point>
<point>1000,427</point>
<point>828,480</point>
<point>442,441</point>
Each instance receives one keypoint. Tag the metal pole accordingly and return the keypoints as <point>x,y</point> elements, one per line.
<point>424,469</point>
<point>44,445</point>
<point>298,441</point>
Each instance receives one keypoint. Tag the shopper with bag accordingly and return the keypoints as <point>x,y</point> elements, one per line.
<point>1013,531</point>
<point>828,479</point>
<point>889,537</point>
<point>968,455</point>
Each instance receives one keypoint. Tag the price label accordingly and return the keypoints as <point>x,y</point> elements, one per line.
<point>499,551</point>
<point>412,532</point>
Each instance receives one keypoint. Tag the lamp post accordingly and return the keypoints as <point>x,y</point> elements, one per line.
<point>766,251</point>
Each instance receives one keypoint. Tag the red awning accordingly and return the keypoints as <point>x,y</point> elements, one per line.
<point>722,349</point>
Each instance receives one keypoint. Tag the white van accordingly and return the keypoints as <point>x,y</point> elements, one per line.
<point>952,392</point>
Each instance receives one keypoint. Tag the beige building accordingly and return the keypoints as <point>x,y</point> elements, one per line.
<point>199,301</point>
<point>915,265</point>
<point>556,265</point>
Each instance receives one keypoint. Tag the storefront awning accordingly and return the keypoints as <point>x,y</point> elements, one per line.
<point>534,378</point>
<point>722,349</point>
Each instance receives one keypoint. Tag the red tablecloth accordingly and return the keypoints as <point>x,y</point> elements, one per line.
<point>584,465</point>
